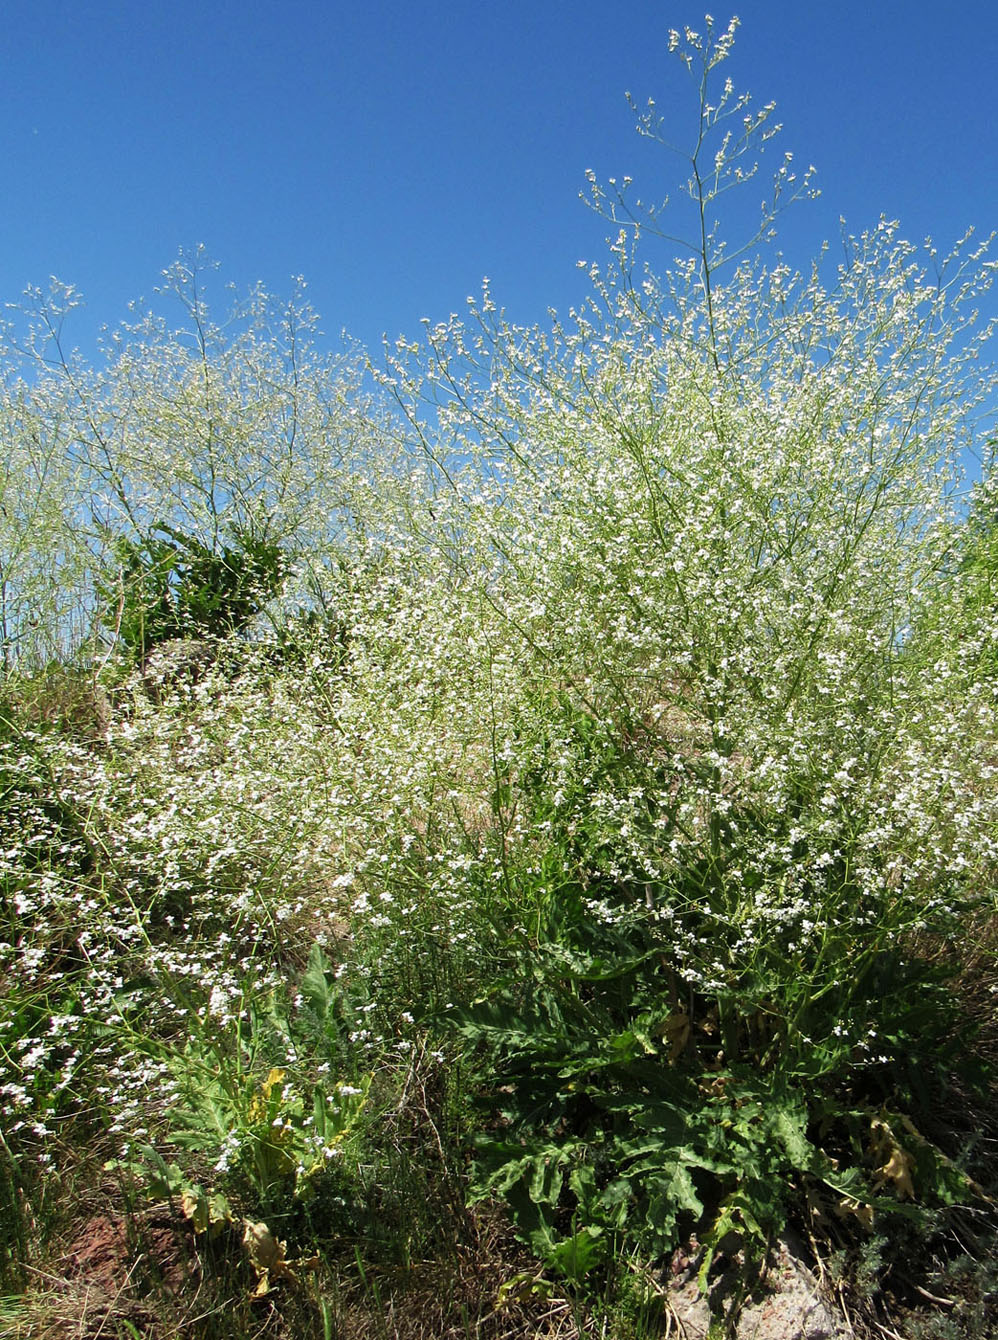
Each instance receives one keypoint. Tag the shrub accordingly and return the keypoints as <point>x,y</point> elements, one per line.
<point>704,520</point>
<point>620,757</point>
<point>172,586</point>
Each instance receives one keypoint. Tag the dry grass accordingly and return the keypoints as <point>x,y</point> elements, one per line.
<point>123,1274</point>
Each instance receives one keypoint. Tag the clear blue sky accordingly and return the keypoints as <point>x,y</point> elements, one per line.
<point>394,153</point>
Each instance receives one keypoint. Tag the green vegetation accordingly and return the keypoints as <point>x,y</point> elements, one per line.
<point>476,854</point>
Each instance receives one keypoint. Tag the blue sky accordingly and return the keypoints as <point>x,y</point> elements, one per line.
<point>395,153</point>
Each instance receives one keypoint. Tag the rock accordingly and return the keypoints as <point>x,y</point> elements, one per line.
<point>786,1305</point>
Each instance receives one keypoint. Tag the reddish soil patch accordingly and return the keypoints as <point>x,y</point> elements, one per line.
<point>113,1266</point>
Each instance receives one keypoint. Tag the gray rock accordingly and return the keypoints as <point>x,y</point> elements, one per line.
<point>787,1304</point>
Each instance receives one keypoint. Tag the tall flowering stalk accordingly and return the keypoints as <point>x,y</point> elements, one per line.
<point>710,506</point>
<point>704,518</point>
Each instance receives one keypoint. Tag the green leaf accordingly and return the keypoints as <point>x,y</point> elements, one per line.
<point>667,1195</point>
<point>163,1180</point>
<point>574,1257</point>
<point>616,1200</point>
<point>788,1126</point>
<point>548,1176</point>
<point>314,984</point>
<point>319,1111</point>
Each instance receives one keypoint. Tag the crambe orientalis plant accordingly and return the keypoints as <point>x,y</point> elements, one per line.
<point>635,785</point>
<point>705,515</point>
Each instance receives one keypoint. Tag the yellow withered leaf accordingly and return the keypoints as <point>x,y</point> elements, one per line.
<point>863,1213</point>
<point>274,1078</point>
<point>898,1169</point>
<point>520,1288</point>
<point>259,1108</point>
<point>263,1249</point>
<point>267,1255</point>
<point>676,1032</point>
<point>204,1212</point>
<point>898,1165</point>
